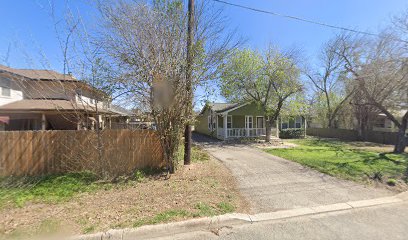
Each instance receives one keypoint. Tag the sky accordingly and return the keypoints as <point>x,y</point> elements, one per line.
<point>28,37</point>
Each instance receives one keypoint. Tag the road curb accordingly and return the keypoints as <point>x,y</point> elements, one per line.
<point>213,223</point>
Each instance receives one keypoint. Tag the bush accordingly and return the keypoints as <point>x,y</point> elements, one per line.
<point>391,182</point>
<point>292,133</point>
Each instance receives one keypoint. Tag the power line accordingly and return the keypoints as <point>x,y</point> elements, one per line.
<point>296,18</point>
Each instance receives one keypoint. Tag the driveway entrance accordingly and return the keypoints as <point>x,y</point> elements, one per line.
<point>271,183</point>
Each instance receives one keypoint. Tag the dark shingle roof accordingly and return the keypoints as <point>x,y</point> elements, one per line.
<point>48,105</point>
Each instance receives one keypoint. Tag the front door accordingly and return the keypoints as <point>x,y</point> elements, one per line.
<point>259,122</point>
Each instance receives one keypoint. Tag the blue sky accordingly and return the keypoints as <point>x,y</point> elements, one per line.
<point>29,31</point>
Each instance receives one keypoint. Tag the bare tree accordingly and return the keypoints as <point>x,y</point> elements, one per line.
<point>147,41</point>
<point>379,67</point>
<point>329,81</point>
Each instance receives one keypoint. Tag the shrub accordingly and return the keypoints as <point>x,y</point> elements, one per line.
<point>292,133</point>
<point>391,182</point>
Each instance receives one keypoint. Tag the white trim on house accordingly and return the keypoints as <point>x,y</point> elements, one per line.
<point>247,122</point>
<point>286,121</point>
<point>229,116</point>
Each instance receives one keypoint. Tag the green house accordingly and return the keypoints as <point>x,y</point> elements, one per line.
<point>234,120</point>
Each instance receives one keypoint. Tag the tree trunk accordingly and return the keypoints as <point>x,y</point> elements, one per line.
<point>401,139</point>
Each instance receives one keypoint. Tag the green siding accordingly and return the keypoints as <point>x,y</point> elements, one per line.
<point>251,109</point>
<point>201,124</point>
<point>238,121</point>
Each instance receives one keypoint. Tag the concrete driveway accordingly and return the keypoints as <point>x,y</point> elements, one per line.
<point>271,183</point>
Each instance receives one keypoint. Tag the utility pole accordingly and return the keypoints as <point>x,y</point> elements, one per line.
<point>189,76</point>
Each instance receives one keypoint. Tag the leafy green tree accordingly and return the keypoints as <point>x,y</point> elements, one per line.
<point>269,79</point>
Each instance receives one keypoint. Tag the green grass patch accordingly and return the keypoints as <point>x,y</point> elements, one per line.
<point>345,160</point>
<point>162,217</point>
<point>200,210</point>
<point>47,189</point>
<point>226,207</point>
<point>197,154</point>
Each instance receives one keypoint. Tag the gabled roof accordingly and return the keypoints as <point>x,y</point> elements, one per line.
<point>39,74</point>
<point>223,107</point>
<point>120,110</point>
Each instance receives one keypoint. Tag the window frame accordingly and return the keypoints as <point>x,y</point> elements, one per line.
<point>247,122</point>
<point>229,117</point>
<point>5,86</point>
<point>296,122</point>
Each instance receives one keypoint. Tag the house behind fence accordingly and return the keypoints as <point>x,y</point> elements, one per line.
<point>49,152</point>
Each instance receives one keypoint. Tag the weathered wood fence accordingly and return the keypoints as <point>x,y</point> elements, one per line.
<point>48,152</point>
<point>352,135</point>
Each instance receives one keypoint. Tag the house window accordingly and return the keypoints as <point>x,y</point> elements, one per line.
<point>284,125</point>
<point>379,122</point>
<point>249,122</point>
<point>5,85</point>
<point>291,123</point>
<point>209,123</point>
<point>298,122</point>
<point>229,121</point>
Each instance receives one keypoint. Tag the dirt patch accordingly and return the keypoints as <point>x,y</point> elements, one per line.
<point>203,188</point>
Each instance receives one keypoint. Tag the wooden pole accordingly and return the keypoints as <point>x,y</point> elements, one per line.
<point>189,76</point>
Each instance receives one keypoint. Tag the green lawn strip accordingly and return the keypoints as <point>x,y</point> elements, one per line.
<point>341,159</point>
<point>47,189</point>
<point>197,154</point>
<point>200,210</point>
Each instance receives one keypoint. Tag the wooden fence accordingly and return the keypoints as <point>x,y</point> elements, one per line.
<point>46,152</point>
<point>352,135</point>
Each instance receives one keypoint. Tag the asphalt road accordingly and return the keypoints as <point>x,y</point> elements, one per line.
<point>382,222</point>
<point>271,183</point>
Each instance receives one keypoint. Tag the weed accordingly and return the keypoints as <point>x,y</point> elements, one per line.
<point>391,182</point>
<point>88,229</point>
<point>139,176</point>
<point>162,217</point>
<point>204,210</point>
<point>225,207</point>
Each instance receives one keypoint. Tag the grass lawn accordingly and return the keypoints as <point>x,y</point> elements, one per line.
<point>78,203</point>
<point>356,161</point>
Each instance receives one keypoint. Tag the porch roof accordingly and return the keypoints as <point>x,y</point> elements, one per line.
<point>222,107</point>
<point>29,105</point>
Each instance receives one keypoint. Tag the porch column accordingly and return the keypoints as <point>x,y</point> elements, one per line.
<point>43,122</point>
<point>305,127</point>
<point>225,126</point>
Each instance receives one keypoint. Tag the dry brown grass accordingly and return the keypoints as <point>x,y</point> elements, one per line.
<point>201,189</point>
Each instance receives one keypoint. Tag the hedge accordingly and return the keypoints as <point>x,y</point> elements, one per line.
<point>292,133</point>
